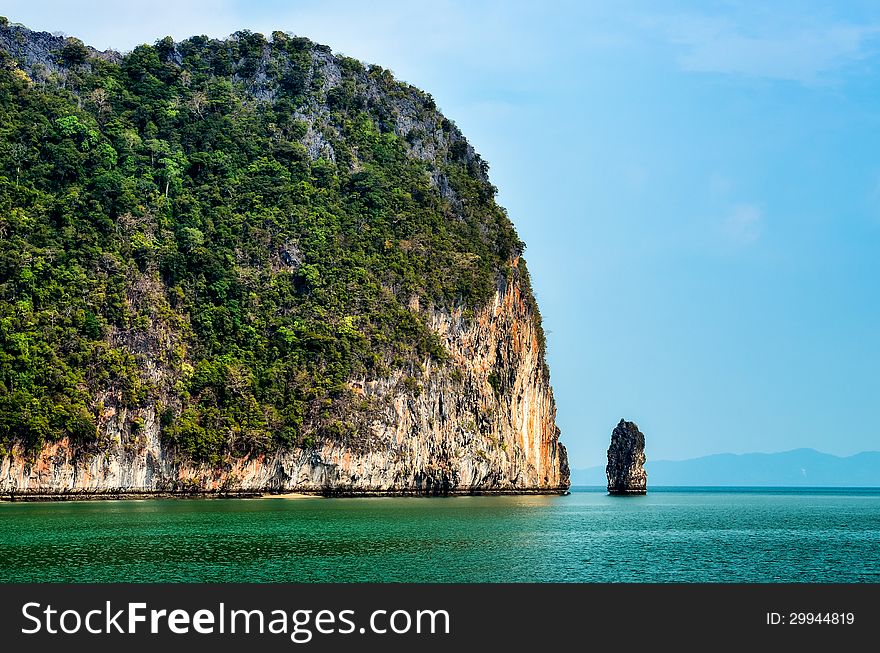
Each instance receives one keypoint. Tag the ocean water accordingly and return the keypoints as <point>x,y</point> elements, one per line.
<point>670,535</point>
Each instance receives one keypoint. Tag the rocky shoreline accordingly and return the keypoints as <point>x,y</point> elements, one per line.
<point>140,495</point>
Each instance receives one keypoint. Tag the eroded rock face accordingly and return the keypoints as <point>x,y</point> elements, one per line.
<point>37,51</point>
<point>459,433</point>
<point>626,460</point>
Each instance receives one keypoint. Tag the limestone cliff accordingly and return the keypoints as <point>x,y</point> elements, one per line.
<point>457,434</point>
<point>478,417</point>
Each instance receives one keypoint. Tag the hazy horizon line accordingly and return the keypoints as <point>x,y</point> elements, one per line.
<point>748,453</point>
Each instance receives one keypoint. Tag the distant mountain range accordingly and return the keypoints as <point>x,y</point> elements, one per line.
<point>798,468</point>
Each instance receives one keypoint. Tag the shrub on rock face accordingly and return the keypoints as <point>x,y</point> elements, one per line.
<point>74,52</point>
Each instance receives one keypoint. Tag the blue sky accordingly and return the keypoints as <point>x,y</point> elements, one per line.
<point>698,185</point>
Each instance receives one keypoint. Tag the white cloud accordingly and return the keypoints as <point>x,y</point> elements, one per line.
<point>720,184</point>
<point>873,197</point>
<point>744,224</point>
<point>779,48</point>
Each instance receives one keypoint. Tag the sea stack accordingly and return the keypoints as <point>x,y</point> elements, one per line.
<point>626,460</point>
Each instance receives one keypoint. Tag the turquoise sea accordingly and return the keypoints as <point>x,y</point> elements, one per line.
<point>670,535</point>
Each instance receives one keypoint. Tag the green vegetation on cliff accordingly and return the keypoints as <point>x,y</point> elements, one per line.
<point>228,232</point>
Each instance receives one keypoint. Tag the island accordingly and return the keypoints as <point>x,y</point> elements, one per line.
<point>245,265</point>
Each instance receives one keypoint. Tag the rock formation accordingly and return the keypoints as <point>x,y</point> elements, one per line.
<point>626,460</point>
